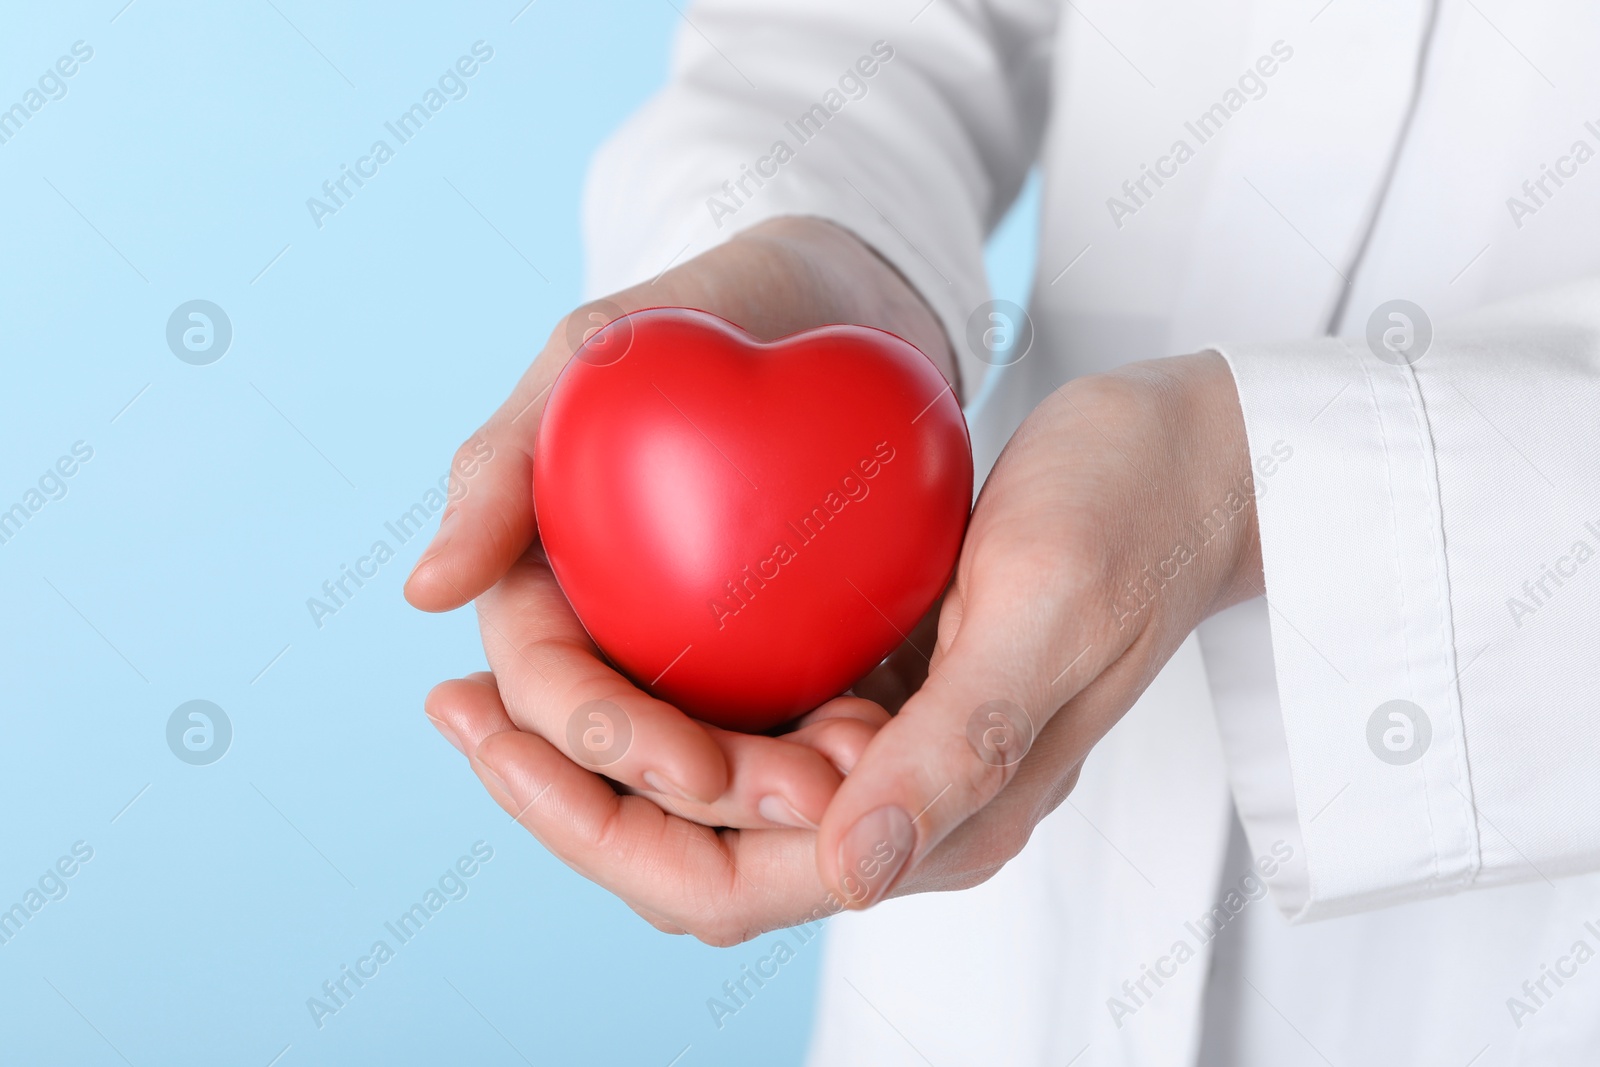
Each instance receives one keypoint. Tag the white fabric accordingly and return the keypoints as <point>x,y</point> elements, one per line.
<point>1406,511</point>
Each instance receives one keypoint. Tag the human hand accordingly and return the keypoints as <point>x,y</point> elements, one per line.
<point>723,886</point>
<point>1120,515</point>
<point>1102,481</point>
<point>776,279</point>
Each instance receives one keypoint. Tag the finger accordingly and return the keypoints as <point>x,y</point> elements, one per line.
<point>971,854</point>
<point>723,888</point>
<point>655,920</point>
<point>766,280</point>
<point>489,519</point>
<point>849,708</point>
<point>467,710</point>
<point>840,730</point>
<point>775,782</point>
<point>962,737</point>
<point>787,781</point>
<point>554,684</point>
<point>976,850</point>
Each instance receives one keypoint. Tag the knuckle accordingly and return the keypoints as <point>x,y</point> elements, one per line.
<point>505,530</point>
<point>1010,842</point>
<point>1066,565</point>
<point>998,736</point>
<point>717,938</point>
<point>471,455</point>
<point>666,926</point>
<point>989,781</point>
<point>605,835</point>
<point>974,877</point>
<point>720,933</point>
<point>1082,566</point>
<point>998,848</point>
<point>542,665</point>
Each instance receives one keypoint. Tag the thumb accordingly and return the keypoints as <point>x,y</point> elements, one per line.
<point>489,521</point>
<point>774,279</point>
<point>954,746</point>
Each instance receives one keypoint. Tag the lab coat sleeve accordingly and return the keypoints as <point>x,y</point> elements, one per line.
<point>1431,539</point>
<point>912,124</point>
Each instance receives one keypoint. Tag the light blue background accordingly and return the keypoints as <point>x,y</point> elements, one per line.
<point>179,562</point>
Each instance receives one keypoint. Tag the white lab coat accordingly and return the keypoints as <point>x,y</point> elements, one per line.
<point>1426,526</point>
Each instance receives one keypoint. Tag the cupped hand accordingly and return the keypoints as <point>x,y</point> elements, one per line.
<point>722,885</point>
<point>1120,516</point>
<point>552,681</point>
<point>775,279</point>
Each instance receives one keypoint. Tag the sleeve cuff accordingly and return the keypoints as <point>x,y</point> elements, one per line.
<point>1360,743</point>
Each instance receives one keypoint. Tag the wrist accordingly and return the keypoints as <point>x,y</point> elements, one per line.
<point>1220,449</point>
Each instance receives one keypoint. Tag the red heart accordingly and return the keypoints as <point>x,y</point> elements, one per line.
<point>746,529</point>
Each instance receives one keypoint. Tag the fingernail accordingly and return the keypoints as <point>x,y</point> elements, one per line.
<point>872,854</point>
<point>447,527</point>
<point>663,785</point>
<point>778,809</point>
<point>448,734</point>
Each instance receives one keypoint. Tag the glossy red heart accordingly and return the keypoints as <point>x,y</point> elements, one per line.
<point>746,529</point>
